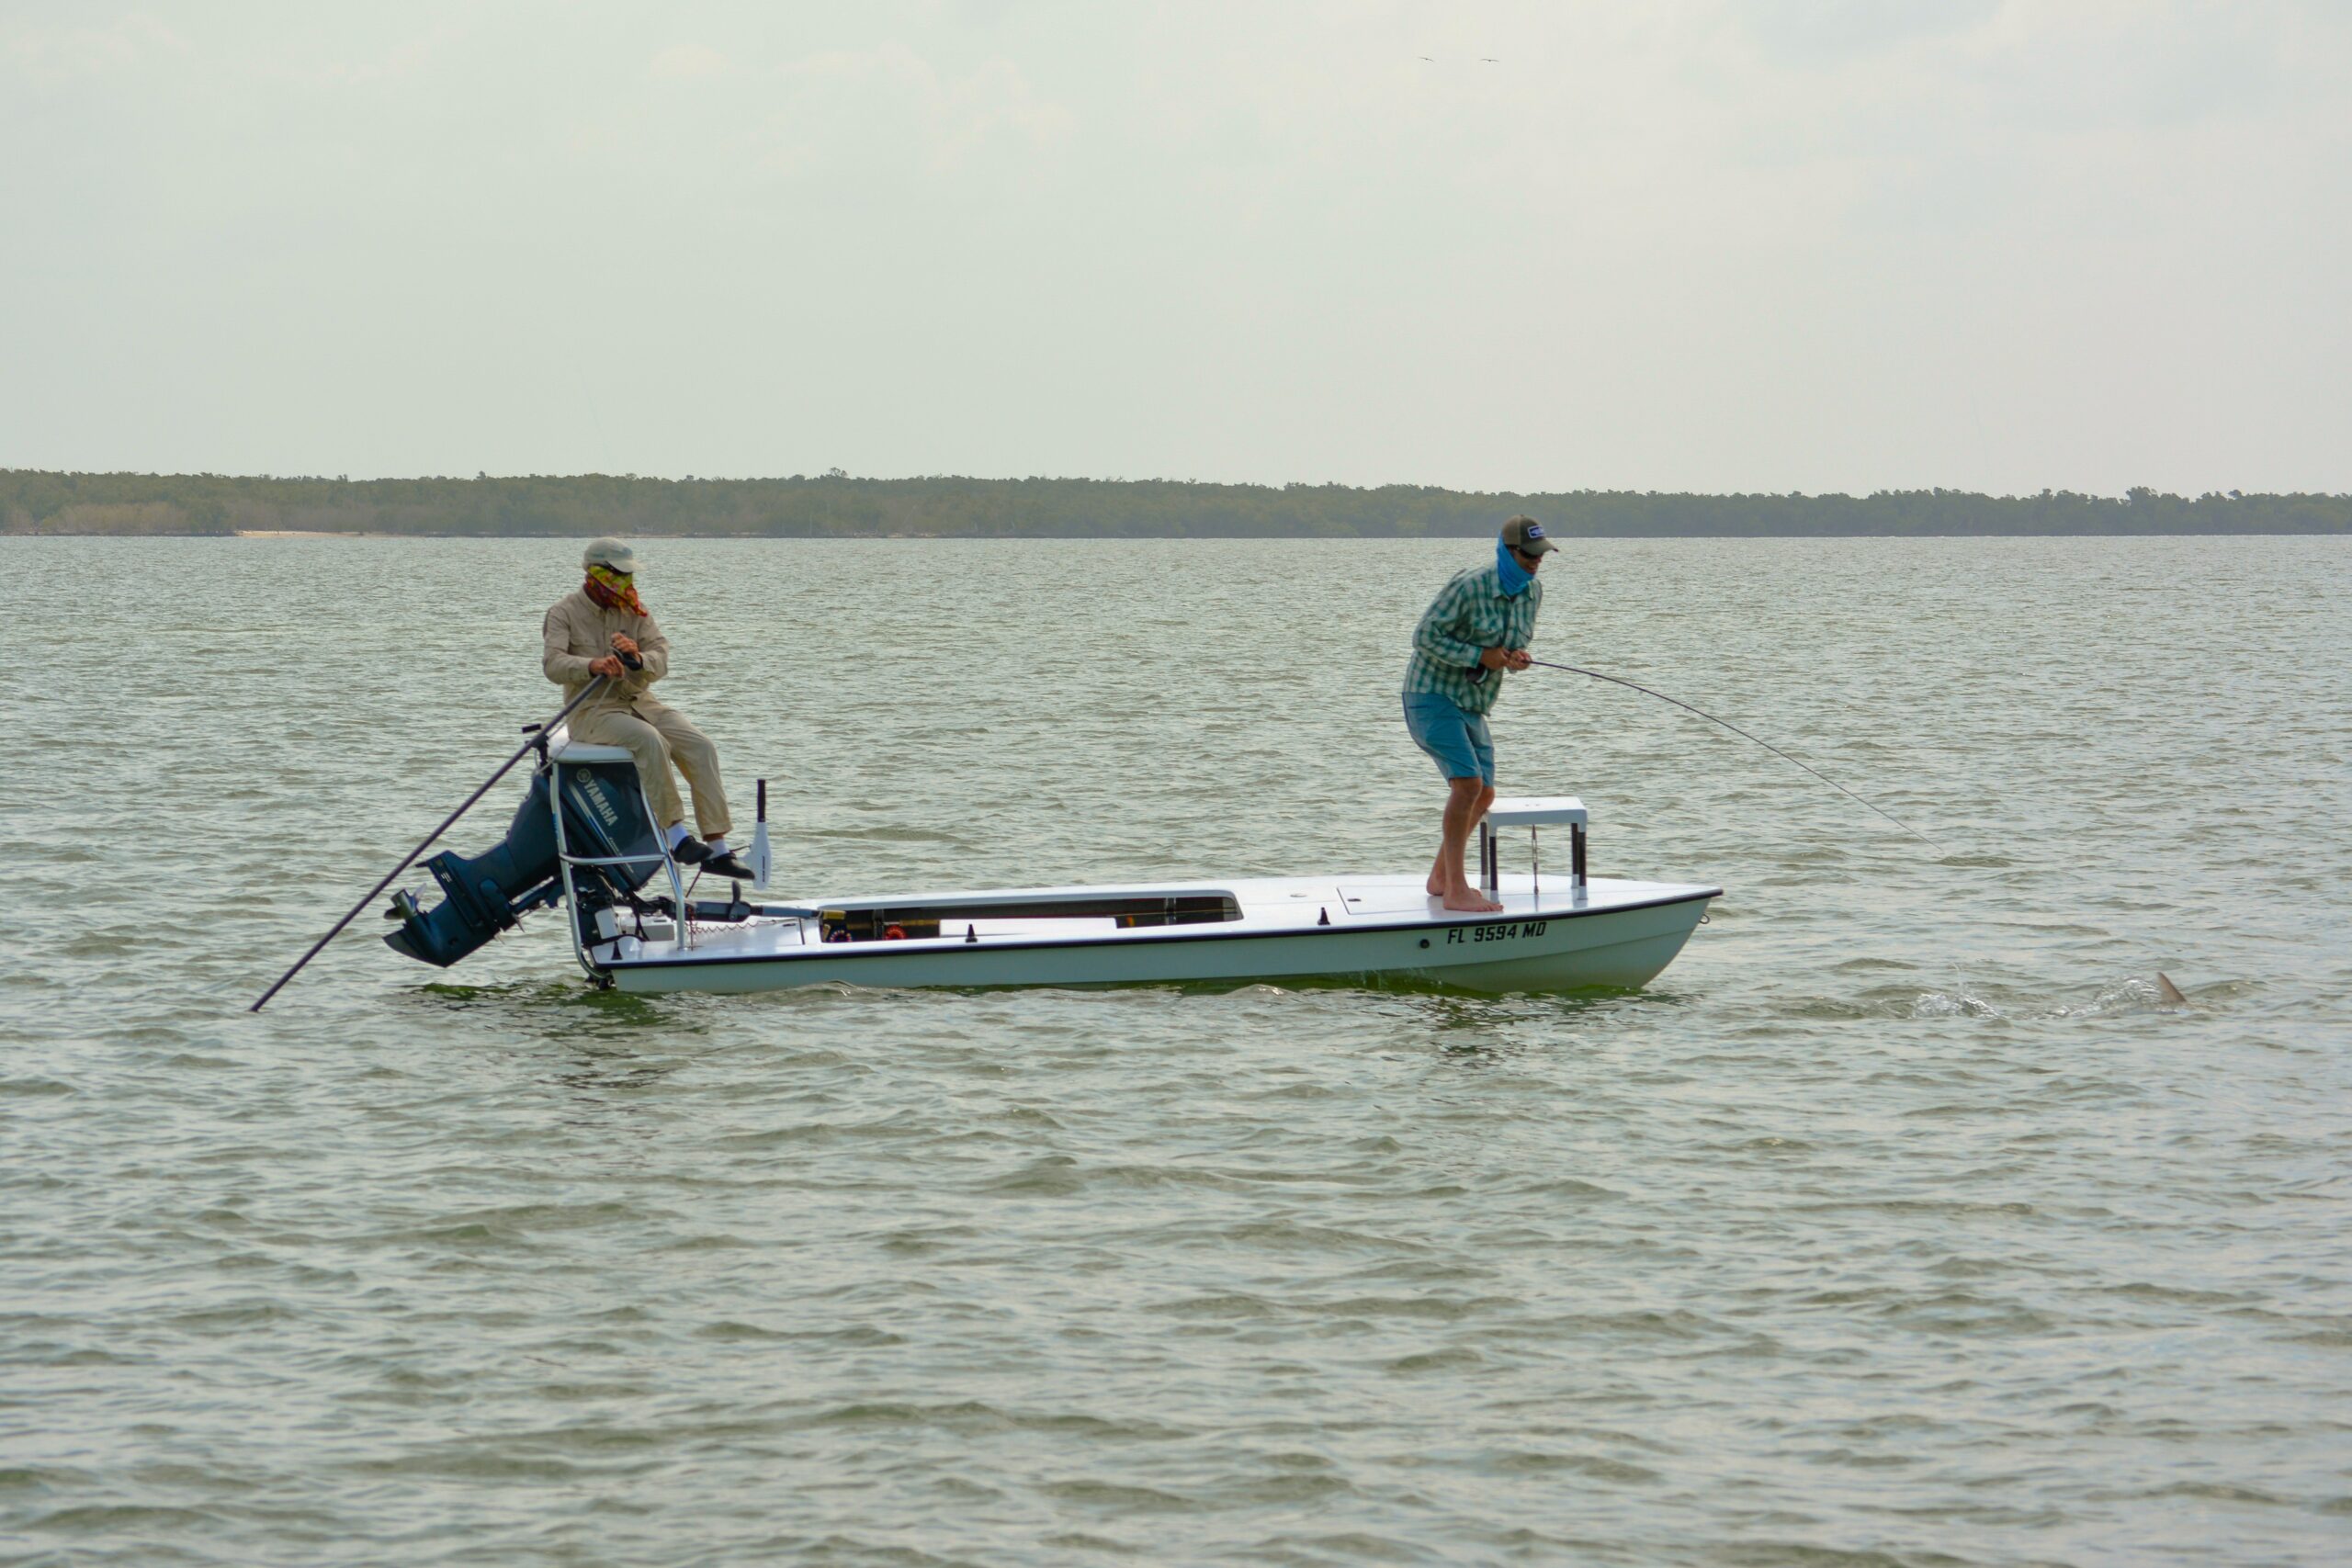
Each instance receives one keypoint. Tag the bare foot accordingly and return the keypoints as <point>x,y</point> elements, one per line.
<point>1437,886</point>
<point>1469,903</point>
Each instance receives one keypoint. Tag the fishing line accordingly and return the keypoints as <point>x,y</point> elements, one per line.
<point>1710,718</point>
<point>2168,993</point>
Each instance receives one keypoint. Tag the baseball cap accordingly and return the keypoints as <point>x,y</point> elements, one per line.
<point>611,553</point>
<point>1526,535</point>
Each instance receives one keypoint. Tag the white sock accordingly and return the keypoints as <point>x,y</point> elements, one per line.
<point>718,846</point>
<point>677,834</point>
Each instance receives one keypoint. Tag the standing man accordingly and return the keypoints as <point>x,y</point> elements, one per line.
<point>1477,628</point>
<point>602,628</point>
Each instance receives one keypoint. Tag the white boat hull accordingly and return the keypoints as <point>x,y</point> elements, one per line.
<point>1366,930</point>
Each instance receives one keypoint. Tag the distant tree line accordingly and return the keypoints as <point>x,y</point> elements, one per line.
<point>834,505</point>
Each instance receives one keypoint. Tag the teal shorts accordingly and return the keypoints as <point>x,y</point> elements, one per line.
<point>1456,741</point>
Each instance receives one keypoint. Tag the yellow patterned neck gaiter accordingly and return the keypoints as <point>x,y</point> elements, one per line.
<point>614,589</point>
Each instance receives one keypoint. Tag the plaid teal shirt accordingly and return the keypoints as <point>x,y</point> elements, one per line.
<point>1469,616</point>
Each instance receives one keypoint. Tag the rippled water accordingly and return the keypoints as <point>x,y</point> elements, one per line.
<point>1897,1223</point>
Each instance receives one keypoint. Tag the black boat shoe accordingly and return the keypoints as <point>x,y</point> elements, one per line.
<point>729,865</point>
<point>690,851</point>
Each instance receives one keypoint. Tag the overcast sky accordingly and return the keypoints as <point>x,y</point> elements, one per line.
<point>1822,245</point>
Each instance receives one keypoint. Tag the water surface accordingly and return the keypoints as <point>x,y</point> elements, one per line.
<point>1897,1223</point>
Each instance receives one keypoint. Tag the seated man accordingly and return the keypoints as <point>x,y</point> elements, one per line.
<point>602,629</point>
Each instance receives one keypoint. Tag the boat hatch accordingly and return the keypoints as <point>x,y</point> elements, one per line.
<point>1027,917</point>
<point>1395,899</point>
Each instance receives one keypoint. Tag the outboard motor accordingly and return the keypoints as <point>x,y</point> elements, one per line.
<point>604,816</point>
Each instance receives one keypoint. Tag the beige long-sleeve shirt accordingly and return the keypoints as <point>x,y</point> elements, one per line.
<point>578,630</point>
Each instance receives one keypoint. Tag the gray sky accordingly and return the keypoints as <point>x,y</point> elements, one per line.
<point>1727,245</point>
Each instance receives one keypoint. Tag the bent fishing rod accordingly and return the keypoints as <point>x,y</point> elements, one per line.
<point>539,732</point>
<point>1710,718</point>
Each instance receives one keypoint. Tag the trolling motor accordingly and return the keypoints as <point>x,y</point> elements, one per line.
<point>604,818</point>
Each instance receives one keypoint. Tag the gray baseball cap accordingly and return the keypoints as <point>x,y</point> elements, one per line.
<point>1526,535</point>
<point>610,553</point>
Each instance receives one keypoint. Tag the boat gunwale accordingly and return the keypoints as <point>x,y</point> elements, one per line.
<point>1163,934</point>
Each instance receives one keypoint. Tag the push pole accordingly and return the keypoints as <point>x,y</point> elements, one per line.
<point>539,736</point>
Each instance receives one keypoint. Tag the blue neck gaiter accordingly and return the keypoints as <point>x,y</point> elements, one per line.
<point>1515,577</point>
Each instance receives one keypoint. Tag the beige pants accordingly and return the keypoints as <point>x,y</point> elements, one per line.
<point>662,736</point>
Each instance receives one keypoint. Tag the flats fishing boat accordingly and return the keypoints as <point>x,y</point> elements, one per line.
<point>583,838</point>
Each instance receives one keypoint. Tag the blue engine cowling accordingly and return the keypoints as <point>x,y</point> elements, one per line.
<point>604,815</point>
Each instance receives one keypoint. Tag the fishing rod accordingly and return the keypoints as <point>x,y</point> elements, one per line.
<point>539,732</point>
<point>1710,718</point>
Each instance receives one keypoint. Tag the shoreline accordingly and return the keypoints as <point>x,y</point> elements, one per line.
<point>1194,537</point>
<point>834,505</point>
